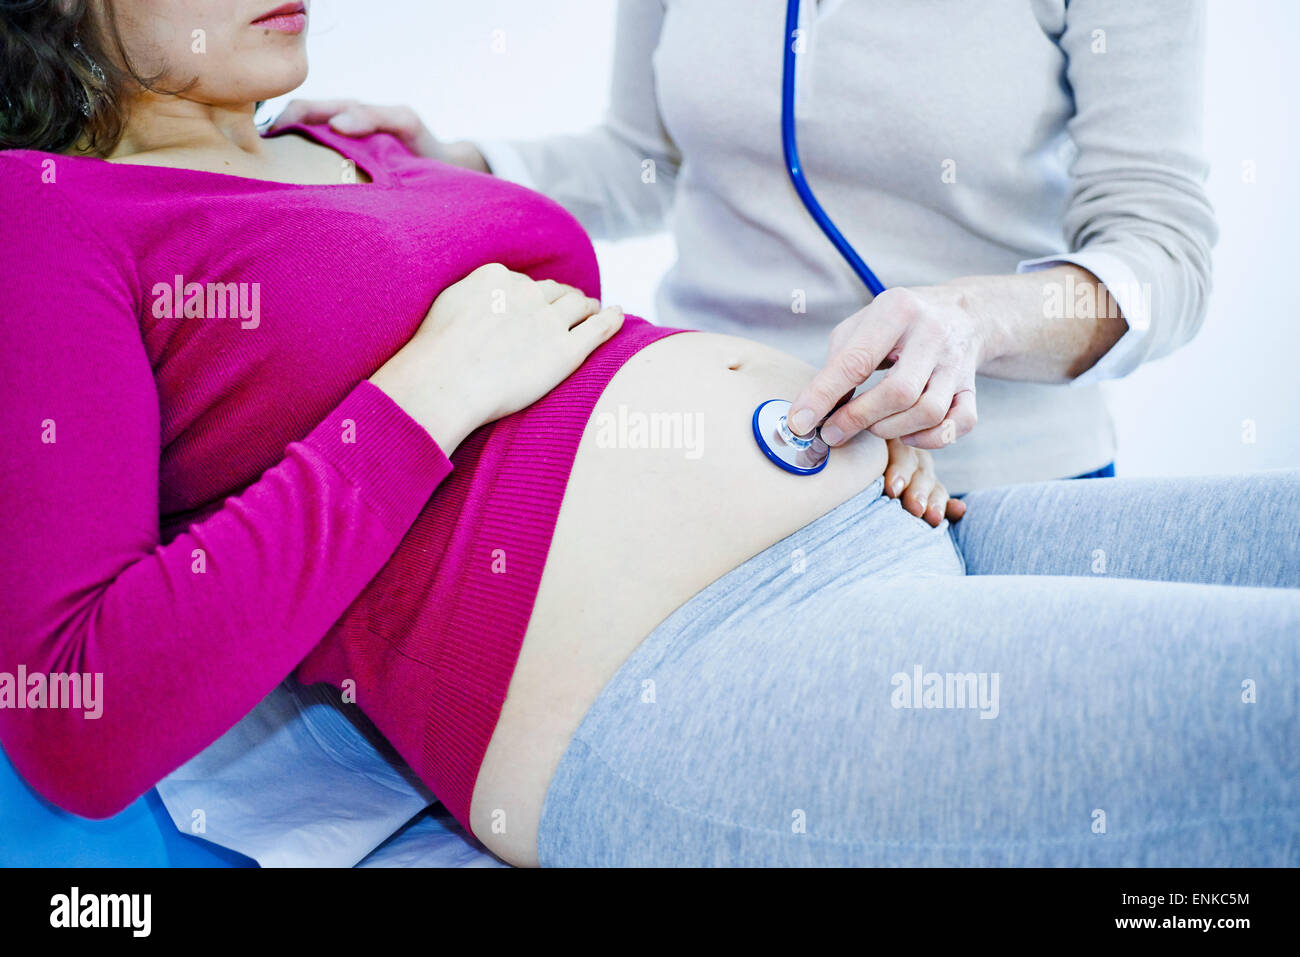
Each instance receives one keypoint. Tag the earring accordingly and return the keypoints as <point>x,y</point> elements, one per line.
<point>95,70</point>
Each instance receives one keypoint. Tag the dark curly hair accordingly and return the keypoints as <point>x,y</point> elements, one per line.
<point>63,81</point>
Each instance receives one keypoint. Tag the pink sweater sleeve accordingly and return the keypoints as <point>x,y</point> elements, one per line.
<point>189,635</point>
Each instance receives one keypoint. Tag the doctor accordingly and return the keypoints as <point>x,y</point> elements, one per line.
<point>1026,175</point>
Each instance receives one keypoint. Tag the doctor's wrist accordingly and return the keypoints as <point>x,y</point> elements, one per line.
<point>985,301</point>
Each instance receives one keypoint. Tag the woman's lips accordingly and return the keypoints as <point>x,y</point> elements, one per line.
<point>290,18</point>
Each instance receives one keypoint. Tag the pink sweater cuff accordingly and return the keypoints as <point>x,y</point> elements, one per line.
<point>389,457</point>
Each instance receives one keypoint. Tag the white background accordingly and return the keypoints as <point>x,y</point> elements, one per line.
<point>1185,414</point>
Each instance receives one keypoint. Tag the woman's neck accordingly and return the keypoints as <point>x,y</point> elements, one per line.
<point>186,135</point>
<point>173,125</point>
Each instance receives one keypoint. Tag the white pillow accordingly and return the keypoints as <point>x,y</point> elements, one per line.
<point>303,782</point>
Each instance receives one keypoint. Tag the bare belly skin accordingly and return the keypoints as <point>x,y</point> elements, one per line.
<point>640,531</point>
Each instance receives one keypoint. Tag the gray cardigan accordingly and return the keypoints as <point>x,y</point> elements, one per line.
<point>945,138</point>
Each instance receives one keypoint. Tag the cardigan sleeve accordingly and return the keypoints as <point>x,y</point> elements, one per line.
<point>189,634</point>
<point>618,179</point>
<point>1138,217</point>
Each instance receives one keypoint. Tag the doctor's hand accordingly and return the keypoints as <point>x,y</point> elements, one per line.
<point>930,341</point>
<point>352,118</point>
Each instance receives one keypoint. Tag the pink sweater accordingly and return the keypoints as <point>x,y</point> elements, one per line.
<point>196,500</point>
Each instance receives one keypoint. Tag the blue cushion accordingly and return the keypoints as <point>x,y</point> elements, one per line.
<point>35,833</point>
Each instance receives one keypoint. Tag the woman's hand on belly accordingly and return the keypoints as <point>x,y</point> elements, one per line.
<point>492,343</point>
<point>668,493</point>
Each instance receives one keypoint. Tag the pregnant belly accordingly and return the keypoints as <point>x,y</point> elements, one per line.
<point>668,493</point>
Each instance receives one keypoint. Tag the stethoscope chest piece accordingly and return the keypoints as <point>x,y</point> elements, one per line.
<point>802,456</point>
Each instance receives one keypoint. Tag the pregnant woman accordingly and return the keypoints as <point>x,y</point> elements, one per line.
<point>239,442</point>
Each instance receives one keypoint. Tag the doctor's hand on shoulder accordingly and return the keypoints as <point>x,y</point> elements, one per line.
<point>932,343</point>
<point>356,119</point>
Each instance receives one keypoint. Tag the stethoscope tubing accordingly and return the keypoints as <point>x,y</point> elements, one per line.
<point>791,147</point>
<point>763,432</point>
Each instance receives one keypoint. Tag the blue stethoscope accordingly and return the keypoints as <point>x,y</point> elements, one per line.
<point>802,455</point>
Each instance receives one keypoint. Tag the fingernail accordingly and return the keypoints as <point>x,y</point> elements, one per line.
<point>802,422</point>
<point>897,487</point>
<point>344,122</point>
<point>831,435</point>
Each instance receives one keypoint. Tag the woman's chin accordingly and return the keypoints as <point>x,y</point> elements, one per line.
<point>279,78</point>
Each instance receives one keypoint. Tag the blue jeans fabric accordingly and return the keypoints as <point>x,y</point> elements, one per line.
<point>1106,471</point>
<point>1077,673</point>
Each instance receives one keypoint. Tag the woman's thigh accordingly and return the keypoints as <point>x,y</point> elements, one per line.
<point>947,721</point>
<point>1221,530</point>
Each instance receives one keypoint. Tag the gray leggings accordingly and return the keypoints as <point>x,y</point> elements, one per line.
<point>1100,672</point>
